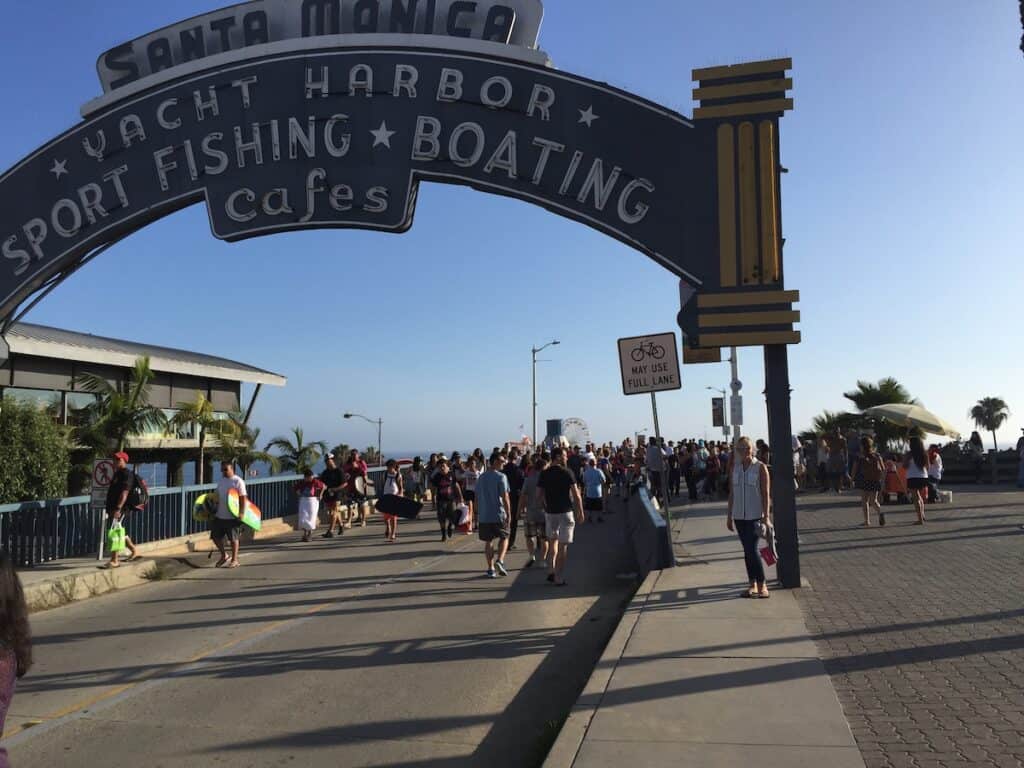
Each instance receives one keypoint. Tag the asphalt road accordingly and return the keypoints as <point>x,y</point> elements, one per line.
<point>350,652</point>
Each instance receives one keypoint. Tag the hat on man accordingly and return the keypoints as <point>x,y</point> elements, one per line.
<point>121,455</point>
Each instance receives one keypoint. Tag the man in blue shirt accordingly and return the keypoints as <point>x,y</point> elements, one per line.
<point>493,509</point>
<point>593,490</point>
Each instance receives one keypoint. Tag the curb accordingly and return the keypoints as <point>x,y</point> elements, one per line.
<point>570,738</point>
<point>169,555</point>
<point>90,582</point>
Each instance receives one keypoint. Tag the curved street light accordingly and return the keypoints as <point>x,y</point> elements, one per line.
<point>534,351</point>
<point>380,425</point>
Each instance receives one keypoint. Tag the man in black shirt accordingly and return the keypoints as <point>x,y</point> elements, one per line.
<point>559,494</point>
<point>575,464</point>
<point>117,499</point>
<point>334,479</point>
<point>516,478</point>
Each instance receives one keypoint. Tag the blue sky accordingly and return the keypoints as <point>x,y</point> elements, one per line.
<point>902,213</point>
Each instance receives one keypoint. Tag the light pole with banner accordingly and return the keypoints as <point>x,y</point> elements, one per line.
<point>380,424</point>
<point>718,418</point>
<point>534,351</point>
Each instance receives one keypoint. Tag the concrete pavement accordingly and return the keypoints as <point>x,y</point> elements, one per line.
<point>347,652</point>
<point>697,676</point>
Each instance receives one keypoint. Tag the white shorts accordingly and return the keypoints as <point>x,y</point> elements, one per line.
<point>561,527</point>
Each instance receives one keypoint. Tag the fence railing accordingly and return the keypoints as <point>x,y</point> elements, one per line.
<point>36,532</point>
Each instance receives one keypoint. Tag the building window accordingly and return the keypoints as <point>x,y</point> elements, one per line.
<point>45,399</point>
<point>76,405</point>
<point>184,432</point>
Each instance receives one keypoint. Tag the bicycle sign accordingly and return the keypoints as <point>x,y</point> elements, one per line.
<point>649,364</point>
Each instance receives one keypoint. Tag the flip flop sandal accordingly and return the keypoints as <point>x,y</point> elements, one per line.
<point>233,564</point>
<point>764,595</point>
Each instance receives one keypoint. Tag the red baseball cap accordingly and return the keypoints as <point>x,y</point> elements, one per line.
<point>121,455</point>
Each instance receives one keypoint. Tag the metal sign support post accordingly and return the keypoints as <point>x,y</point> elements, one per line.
<point>780,431</point>
<point>664,473</point>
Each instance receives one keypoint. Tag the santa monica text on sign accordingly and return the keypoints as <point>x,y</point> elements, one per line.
<point>515,22</point>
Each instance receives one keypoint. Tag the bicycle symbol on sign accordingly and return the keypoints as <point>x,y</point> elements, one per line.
<point>647,349</point>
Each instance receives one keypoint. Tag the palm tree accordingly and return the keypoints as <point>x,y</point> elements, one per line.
<point>886,391</point>
<point>341,452</point>
<point>990,414</point>
<point>119,412</point>
<point>238,444</point>
<point>297,454</point>
<point>198,412</point>
<point>829,421</point>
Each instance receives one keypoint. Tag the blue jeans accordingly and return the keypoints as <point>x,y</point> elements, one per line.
<point>747,531</point>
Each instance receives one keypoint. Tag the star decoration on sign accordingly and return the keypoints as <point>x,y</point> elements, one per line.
<point>587,116</point>
<point>60,168</point>
<point>382,136</point>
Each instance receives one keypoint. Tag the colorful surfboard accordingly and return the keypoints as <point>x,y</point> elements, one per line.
<point>252,516</point>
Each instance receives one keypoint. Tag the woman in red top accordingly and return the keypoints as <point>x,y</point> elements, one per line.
<point>356,471</point>
<point>309,490</point>
<point>15,639</point>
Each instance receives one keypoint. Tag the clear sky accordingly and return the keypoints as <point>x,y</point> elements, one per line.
<point>902,213</point>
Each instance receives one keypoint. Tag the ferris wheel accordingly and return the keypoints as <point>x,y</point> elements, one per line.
<point>576,431</point>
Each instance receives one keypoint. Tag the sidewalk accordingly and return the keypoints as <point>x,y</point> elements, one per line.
<point>695,675</point>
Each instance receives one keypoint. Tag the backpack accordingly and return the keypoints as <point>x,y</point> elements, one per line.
<point>138,493</point>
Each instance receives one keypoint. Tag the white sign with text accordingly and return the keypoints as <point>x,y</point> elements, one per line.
<point>649,364</point>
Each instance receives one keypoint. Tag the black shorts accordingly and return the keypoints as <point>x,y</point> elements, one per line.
<point>593,505</point>
<point>917,483</point>
<point>331,499</point>
<point>469,496</point>
<point>225,529</point>
<point>492,531</point>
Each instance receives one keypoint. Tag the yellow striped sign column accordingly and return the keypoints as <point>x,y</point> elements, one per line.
<point>747,100</point>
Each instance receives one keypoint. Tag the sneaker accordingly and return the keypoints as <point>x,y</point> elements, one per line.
<point>530,563</point>
<point>491,574</point>
<point>881,518</point>
<point>500,566</point>
<point>328,535</point>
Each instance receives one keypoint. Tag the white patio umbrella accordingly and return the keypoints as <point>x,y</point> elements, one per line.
<point>913,416</point>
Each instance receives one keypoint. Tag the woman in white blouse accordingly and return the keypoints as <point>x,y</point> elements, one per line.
<point>749,500</point>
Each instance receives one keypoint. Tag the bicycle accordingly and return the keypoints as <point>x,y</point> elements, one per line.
<point>650,349</point>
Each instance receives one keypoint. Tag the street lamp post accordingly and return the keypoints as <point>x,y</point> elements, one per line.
<point>534,352</point>
<point>380,426</point>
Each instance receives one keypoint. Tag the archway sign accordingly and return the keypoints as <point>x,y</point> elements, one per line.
<point>297,114</point>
